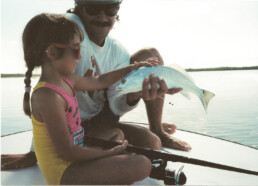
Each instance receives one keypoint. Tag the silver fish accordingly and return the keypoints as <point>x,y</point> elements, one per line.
<point>175,77</point>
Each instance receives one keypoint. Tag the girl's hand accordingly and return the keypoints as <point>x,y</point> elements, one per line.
<point>153,61</point>
<point>119,148</point>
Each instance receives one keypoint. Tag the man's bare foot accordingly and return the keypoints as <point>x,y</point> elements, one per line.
<point>169,128</point>
<point>18,161</point>
<point>174,143</point>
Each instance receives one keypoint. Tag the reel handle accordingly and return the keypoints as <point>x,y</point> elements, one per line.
<point>170,177</point>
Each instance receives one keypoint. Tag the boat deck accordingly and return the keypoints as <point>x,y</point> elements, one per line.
<point>203,147</point>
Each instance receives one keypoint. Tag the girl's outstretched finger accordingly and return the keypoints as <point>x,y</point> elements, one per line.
<point>142,64</point>
<point>154,61</point>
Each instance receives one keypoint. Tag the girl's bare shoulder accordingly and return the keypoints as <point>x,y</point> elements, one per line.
<point>46,100</point>
<point>43,95</point>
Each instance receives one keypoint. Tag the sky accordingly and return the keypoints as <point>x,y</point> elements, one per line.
<point>190,33</point>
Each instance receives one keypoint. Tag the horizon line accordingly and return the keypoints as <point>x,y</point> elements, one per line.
<point>3,75</point>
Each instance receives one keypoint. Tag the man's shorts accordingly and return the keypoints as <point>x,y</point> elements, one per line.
<point>105,118</point>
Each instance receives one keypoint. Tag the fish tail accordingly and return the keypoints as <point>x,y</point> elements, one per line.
<point>206,97</point>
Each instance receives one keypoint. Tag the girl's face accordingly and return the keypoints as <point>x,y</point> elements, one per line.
<point>66,65</point>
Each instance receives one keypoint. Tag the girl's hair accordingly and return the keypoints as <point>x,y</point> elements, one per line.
<point>39,33</point>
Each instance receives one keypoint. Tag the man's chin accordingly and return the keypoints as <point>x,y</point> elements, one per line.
<point>99,27</point>
<point>102,31</point>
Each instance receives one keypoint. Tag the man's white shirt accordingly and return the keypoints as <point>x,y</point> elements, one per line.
<point>94,62</point>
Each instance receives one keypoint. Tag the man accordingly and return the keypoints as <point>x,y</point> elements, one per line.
<point>100,110</point>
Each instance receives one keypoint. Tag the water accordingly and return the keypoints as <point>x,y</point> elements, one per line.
<point>232,113</point>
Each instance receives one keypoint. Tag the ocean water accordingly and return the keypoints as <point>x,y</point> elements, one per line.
<point>232,113</point>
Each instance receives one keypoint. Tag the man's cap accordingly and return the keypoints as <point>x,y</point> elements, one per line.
<point>83,2</point>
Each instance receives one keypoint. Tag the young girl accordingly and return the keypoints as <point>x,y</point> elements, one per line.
<point>52,42</point>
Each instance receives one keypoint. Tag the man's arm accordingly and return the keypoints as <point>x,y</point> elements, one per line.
<point>118,103</point>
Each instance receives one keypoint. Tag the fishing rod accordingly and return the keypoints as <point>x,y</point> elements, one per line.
<point>158,170</point>
<point>155,155</point>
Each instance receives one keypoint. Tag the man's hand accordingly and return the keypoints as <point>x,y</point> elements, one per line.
<point>153,93</point>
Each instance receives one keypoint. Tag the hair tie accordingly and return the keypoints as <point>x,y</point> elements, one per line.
<point>27,89</point>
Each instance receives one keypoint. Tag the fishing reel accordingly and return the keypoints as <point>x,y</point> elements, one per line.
<point>170,177</point>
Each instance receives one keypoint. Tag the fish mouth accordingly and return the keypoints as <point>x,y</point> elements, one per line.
<point>119,90</point>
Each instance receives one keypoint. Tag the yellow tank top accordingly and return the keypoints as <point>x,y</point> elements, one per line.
<point>51,165</point>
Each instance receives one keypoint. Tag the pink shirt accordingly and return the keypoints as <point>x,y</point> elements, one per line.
<point>72,112</point>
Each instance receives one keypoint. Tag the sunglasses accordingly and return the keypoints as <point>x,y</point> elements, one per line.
<point>76,49</point>
<point>109,9</point>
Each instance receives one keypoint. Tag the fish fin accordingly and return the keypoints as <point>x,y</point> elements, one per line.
<point>207,96</point>
<point>180,69</point>
<point>185,94</point>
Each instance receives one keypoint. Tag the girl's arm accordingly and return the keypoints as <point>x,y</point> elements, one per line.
<point>106,79</point>
<point>51,108</point>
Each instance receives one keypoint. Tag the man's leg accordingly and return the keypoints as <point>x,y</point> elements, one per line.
<point>154,107</point>
<point>108,133</point>
<point>140,136</point>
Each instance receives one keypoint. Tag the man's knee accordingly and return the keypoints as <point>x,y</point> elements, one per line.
<point>117,135</point>
<point>156,143</point>
<point>151,140</point>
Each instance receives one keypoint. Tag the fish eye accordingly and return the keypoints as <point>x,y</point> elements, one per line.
<point>123,81</point>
